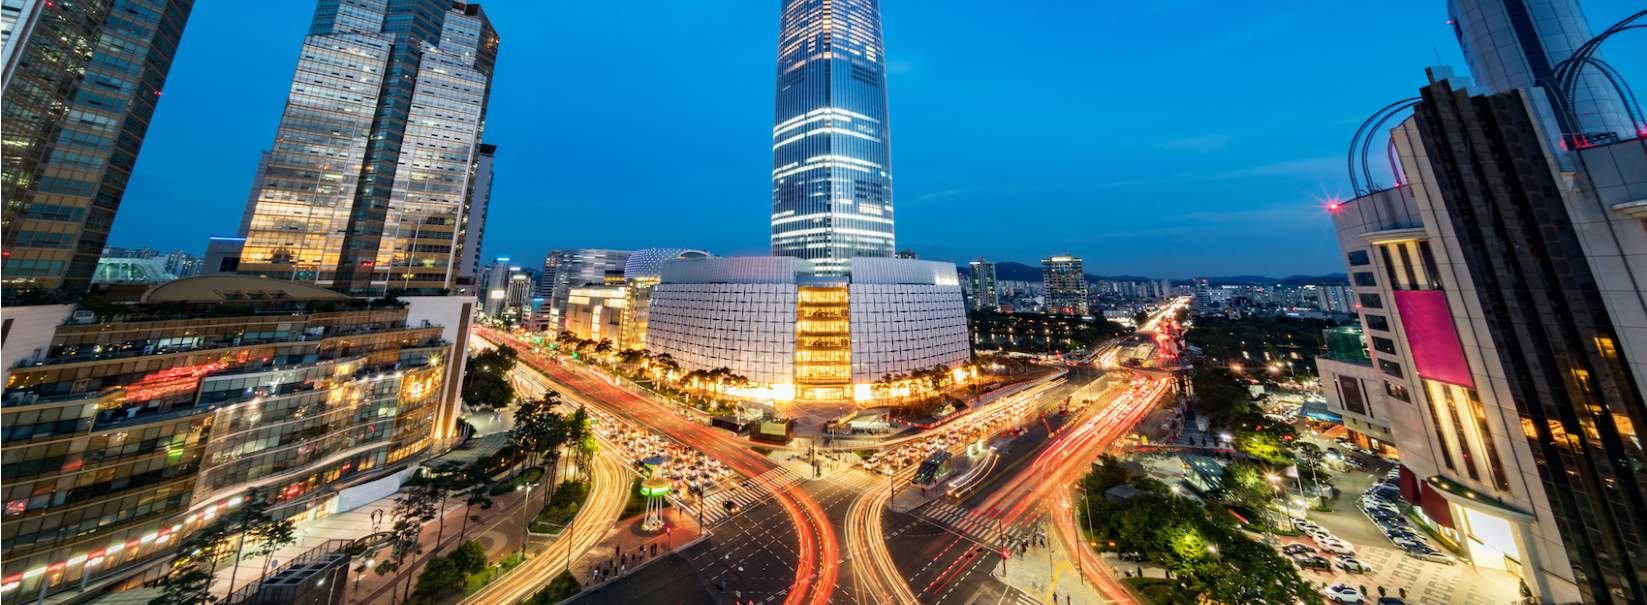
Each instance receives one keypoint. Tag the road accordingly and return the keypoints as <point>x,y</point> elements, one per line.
<point>610,491</point>
<point>1005,510</point>
<point>817,551</point>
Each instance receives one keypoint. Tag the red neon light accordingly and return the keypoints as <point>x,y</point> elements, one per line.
<point>172,380</point>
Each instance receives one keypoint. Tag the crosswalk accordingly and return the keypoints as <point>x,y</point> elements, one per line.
<point>979,527</point>
<point>747,493</point>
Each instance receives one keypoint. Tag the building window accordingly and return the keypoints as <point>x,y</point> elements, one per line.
<point>1365,278</point>
<point>1359,258</point>
<point>1349,391</point>
<point>1370,301</point>
<point>1397,391</point>
<point>1391,368</point>
<point>1377,322</point>
<point>1409,265</point>
<point>1383,345</point>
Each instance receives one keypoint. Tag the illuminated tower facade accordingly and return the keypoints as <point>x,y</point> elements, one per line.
<point>369,178</point>
<point>831,166</point>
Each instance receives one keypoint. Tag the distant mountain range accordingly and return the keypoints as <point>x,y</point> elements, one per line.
<point>1011,271</point>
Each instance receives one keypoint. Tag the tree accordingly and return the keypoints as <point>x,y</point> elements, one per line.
<point>188,580</point>
<point>469,556</point>
<point>581,436</point>
<point>252,520</point>
<point>477,491</point>
<point>485,383</point>
<point>417,505</point>
<point>440,577</point>
<point>485,390</point>
<point>631,356</point>
<point>1244,484</point>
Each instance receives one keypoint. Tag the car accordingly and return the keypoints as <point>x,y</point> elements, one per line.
<point>1304,524</point>
<point>1351,565</point>
<point>1391,601</point>
<point>1297,548</point>
<point>1133,557</point>
<point>1312,562</point>
<point>1409,543</point>
<point>1344,593</point>
<point>1336,546</point>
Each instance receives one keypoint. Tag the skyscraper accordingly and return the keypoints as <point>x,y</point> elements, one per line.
<point>472,231</point>
<point>367,181</point>
<point>1515,44</point>
<point>986,294</point>
<point>831,169</point>
<point>1064,285</point>
<point>81,82</point>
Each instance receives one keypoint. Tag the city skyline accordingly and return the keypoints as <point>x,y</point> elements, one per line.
<point>1234,168</point>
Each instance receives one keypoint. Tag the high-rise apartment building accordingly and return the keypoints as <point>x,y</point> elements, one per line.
<point>831,169</point>
<point>125,433</point>
<point>986,293</point>
<point>371,173</point>
<point>1064,285</point>
<point>1508,340</point>
<point>81,82</point>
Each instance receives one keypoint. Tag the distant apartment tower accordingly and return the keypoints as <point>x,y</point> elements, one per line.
<point>1064,285</point>
<point>81,83</point>
<point>986,293</point>
<point>1508,340</point>
<point>472,232</point>
<point>371,172</point>
<point>494,286</point>
<point>575,268</point>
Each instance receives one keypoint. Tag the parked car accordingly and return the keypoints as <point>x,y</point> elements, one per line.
<point>1344,593</point>
<point>1312,562</point>
<point>1133,557</point>
<point>1351,565</point>
<point>1297,548</point>
<point>1336,546</point>
<point>1391,601</point>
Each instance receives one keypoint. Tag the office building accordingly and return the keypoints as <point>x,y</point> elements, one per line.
<point>367,183</point>
<point>472,231</point>
<point>1508,338</point>
<point>576,268</point>
<point>124,434</point>
<point>831,168</point>
<point>808,335</point>
<point>1064,285</point>
<point>986,294</point>
<point>494,283</point>
<point>81,83</point>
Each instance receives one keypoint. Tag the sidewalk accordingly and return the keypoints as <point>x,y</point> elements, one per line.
<point>626,548</point>
<point>1045,572</point>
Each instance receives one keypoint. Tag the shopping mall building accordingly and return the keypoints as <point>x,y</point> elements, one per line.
<point>801,335</point>
<point>129,427</point>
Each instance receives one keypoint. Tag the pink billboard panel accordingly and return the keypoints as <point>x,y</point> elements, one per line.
<point>1437,354</point>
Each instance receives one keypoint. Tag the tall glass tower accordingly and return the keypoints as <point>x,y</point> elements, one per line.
<point>831,168</point>
<point>82,79</point>
<point>366,186</point>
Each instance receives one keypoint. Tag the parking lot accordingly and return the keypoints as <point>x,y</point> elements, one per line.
<point>1426,582</point>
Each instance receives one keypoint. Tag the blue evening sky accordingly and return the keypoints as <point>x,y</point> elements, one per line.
<point>1166,138</point>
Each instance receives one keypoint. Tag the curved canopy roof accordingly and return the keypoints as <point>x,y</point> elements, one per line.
<point>236,288</point>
